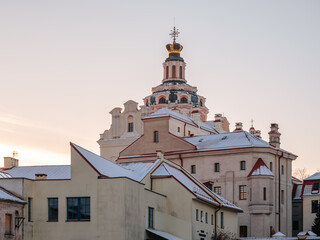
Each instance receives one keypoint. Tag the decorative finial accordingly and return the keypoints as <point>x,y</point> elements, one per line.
<point>174,33</point>
<point>251,122</point>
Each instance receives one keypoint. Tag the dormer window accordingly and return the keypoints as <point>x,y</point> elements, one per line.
<point>315,188</point>
<point>130,124</point>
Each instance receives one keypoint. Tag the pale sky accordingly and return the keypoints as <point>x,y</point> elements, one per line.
<point>65,64</point>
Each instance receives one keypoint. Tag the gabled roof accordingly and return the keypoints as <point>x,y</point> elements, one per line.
<point>7,196</point>
<point>260,169</point>
<point>315,176</point>
<point>165,112</point>
<point>192,184</point>
<point>52,172</point>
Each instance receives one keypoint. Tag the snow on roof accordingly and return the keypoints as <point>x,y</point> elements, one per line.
<point>139,168</point>
<point>278,234</point>
<point>52,172</point>
<point>7,196</point>
<point>103,166</point>
<point>315,176</point>
<point>165,112</point>
<point>307,191</point>
<point>5,175</point>
<point>260,169</point>
<point>165,170</point>
<point>164,235</point>
<point>227,141</point>
<point>297,194</point>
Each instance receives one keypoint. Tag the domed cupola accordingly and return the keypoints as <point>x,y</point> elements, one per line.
<point>174,92</point>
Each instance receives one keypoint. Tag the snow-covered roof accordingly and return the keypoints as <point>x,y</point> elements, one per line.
<point>7,196</point>
<point>297,194</point>
<point>227,141</point>
<point>52,172</point>
<point>260,169</point>
<point>307,191</point>
<point>165,112</point>
<point>5,175</point>
<point>315,176</point>
<point>194,186</point>
<point>141,169</point>
<point>164,235</point>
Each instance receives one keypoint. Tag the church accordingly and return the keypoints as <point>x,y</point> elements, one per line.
<point>252,173</point>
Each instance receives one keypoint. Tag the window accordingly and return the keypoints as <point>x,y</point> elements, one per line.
<point>178,129</point>
<point>201,216</point>
<point>271,166</point>
<point>29,209</point>
<point>282,169</point>
<point>173,71</point>
<point>8,224</point>
<point>242,192</point>
<point>162,100</point>
<point>210,186</point>
<point>193,168</point>
<point>217,167</point>
<point>180,72</point>
<point>295,225</point>
<point>282,196</point>
<point>206,217</point>
<point>250,194</point>
<point>315,187</point>
<point>221,220</point>
<point>183,100</point>
<point>155,136</point>
<point>243,165</point>
<point>150,217</point>
<point>211,219</point>
<point>264,193</point>
<point>167,72</point>
<point>197,215</point>
<point>130,124</point>
<point>243,231</point>
<point>217,190</point>
<point>314,206</point>
<point>52,209</point>
<point>78,209</point>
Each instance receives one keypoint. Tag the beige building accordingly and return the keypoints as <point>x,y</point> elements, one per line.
<point>97,199</point>
<point>252,173</point>
<point>310,200</point>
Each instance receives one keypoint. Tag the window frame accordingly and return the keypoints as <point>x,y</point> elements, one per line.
<point>315,188</point>
<point>242,165</point>
<point>130,126</point>
<point>151,217</point>
<point>282,169</point>
<point>193,169</point>
<point>243,192</point>
<point>79,206</point>
<point>314,206</point>
<point>215,190</point>
<point>221,220</point>
<point>264,194</point>
<point>243,231</point>
<point>216,167</point>
<point>197,214</point>
<point>8,224</point>
<point>51,217</point>
<point>29,209</point>
<point>155,136</point>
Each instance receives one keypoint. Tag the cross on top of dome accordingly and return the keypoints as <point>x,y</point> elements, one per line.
<point>174,33</point>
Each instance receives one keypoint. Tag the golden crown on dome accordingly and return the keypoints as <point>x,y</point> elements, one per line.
<point>174,47</point>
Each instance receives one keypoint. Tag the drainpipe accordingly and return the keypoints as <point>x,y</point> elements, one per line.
<point>184,129</point>
<point>215,222</point>
<point>181,160</point>
<point>279,190</point>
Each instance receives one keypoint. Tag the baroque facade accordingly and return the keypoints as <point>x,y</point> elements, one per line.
<point>240,166</point>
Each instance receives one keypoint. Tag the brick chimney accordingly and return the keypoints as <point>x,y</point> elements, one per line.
<point>238,127</point>
<point>10,162</point>
<point>274,135</point>
<point>218,122</point>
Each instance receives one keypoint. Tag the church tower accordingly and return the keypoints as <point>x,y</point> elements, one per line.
<point>174,93</point>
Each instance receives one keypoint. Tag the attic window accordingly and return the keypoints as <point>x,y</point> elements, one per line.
<point>315,187</point>
<point>224,138</point>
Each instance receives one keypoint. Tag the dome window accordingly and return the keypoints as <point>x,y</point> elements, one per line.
<point>173,71</point>
<point>180,72</point>
<point>162,100</point>
<point>184,100</point>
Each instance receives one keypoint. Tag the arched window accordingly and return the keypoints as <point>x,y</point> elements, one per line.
<point>183,100</point>
<point>130,124</point>
<point>173,71</point>
<point>167,72</point>
<point>162,100</point>
<point>180,72</point>
<point>200,103</point>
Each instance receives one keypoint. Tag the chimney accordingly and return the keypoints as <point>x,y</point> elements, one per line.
<point>41,176</point>
<point>10,162</point>
<point>274,135</point>
<point>257,133</point>
<point>218,122</point>
<point>238,127</point>
<point>196,116</point>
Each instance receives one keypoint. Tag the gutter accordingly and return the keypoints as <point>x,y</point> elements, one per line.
<point>215,222</point>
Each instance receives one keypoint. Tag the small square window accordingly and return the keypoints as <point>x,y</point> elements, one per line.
<point>217,167</point>
<point>217,190</point>
<point>78,209</point>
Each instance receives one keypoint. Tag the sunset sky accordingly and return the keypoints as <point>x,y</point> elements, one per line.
<point>65,64</point>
